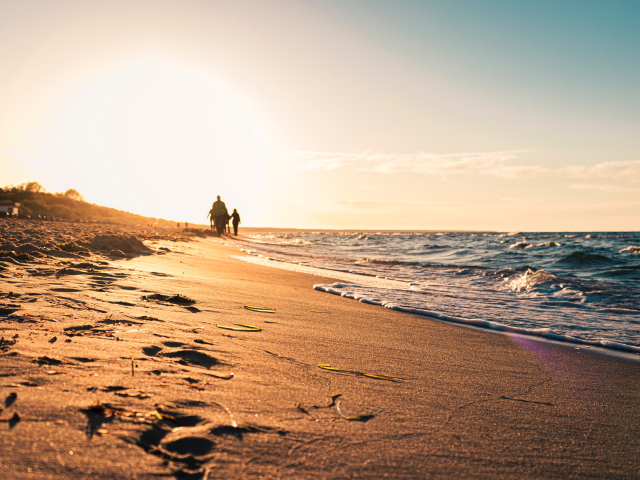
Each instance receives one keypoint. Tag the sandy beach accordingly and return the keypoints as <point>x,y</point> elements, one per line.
<point>113,364</point>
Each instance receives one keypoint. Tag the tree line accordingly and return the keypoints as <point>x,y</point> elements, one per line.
<point>36,202</point>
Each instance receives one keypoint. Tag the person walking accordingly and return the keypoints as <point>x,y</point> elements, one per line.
<point>211,219</point>
<point>219,215</point>
<point>235,220</point>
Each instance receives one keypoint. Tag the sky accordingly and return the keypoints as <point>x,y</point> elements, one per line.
<point>346,114</point>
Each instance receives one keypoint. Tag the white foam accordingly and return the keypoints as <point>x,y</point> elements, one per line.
<point>361,294</point>
<point>338,275</point>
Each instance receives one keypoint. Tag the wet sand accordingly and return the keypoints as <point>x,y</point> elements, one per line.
<point>112,366</point>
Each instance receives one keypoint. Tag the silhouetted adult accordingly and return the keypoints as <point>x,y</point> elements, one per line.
<point>219,215</point>
<point>235,217</point>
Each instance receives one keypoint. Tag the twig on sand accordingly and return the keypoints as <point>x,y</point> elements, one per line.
<point>233,422</point>
<point>357,418</point>
<point>525,401</point>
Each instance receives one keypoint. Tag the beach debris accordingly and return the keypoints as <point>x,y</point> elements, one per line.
<point>6,344</point>
<point>136,395</point>
<point>241,328</point>
<point>357,418</point>
<point>332,403</point>
<point>15,418</point>
<point>525,401</point>
<point>195,330</point>
<point>149,319</point>
<point>113,411</point>
<point>133,359</point>
<point>191,385</point>
<point>234,424</point>
<point>305,411</point>
<point>54,372</point>
<point>114,388</point>
<point>390,378</point>
<point>318,311</point>
<point>260,309</point>
<point>48,360</point>
<point>24,384</point>
<point>175,298</point>
<point>286,358</point>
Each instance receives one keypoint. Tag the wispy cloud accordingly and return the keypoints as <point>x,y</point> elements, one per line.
<point>603,188</point>
<point>498,164</point>
<point>388,204</point>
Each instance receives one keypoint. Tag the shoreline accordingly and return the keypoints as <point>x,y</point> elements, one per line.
<point>616,350</point>
<point>138,385</point>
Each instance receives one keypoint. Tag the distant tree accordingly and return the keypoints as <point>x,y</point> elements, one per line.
<point>73,194</point>
<point>33,187</point>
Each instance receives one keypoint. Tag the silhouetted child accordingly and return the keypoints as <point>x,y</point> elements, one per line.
<point>235,216</point>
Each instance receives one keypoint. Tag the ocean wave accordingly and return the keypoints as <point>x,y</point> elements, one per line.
<point>585,258</point>
<point>530,280</point>
<point>366,295</point>
<point>534,245</point>
<point>376,261</point>
<point>561,283</point>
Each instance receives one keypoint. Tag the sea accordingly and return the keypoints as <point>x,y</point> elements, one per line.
<point>582,288</point>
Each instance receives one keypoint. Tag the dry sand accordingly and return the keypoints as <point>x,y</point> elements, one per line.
<point>102,378</point>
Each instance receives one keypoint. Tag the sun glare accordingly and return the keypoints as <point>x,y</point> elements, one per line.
<point>159,142</point>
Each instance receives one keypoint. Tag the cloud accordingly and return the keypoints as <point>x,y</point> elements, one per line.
<point>603,188</point>
<point>385,205</point>
<point>423,163</point>
<point>497,164</point>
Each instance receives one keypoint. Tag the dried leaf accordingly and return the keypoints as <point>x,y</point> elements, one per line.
<point>260,309</point>
<point>390,378</point>
<point>243,328</point>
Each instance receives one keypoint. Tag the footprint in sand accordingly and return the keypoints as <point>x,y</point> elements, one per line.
<point>151,351</point>
<point>174,344</point>
<point>193,357</point>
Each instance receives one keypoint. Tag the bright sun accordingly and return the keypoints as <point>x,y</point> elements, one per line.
<point>159,142</point>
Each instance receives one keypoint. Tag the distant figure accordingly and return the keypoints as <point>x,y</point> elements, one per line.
<point>178,225</point>
<point>236,221</point>
<point>219,215</point>
<point>211,219</point>
<point>186,225</point>
<point>227,217</point>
